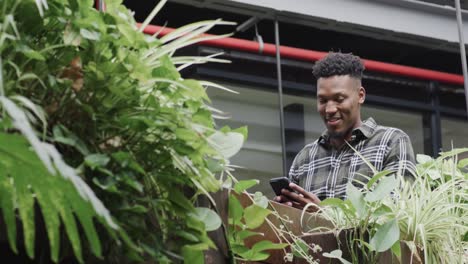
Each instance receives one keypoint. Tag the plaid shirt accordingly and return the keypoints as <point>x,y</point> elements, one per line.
<point>325,171</point>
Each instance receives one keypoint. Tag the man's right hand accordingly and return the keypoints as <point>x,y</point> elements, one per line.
<point>299,198</point>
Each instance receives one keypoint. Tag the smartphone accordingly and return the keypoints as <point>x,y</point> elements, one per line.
<point>280,183</point>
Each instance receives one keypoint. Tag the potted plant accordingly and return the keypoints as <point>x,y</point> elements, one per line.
<point>419,222</point>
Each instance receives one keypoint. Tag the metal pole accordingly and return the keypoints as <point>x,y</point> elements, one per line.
<point>462,50</point>
<point>431,123</point>
<point>280,97</point>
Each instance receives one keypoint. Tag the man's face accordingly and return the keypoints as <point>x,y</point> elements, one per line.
<point>339,100</point>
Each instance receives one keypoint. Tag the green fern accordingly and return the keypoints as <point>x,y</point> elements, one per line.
<point>23,180</point>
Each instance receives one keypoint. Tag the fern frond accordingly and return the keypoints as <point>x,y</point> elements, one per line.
<point>41,175</point>
<point>25,180</point>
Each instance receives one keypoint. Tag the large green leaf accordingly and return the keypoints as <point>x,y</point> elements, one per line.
<point>462,163</point>
<point>243,234</point>
<point>336,254</point>
<point>266,245</point>
<point>209,217</point>
<point>24,179</point>
<point>196,90</point>
<point>377,177</point>
<point>299,248</point>
<point>254,256</point>
<point>243,185</point>
<point>255,215</point>
<point>434,174</point>
<point>7,198</point>
<point>96,160</point>
<point>228,144</point>
<point>235,209</point>
<point>261,200</point>
<point>194,253</point>
<point>383,188</point>
<point>346,206</point>
<point>357,199</point>
<point>386,236</point>
<point>422,159</point>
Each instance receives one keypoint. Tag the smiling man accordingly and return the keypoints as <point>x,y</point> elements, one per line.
<point>323,168</point>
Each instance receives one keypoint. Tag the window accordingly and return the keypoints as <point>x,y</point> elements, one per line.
<point>261,156</point>
<point>453,133</point>
<point>410,123</point>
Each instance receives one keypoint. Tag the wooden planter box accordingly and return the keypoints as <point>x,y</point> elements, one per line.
<point>328,241</point>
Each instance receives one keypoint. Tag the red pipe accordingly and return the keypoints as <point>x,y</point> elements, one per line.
<point>100,5</point>
<point>311,55</point>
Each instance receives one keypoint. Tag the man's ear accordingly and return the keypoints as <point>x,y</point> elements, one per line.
<point>362,95</point>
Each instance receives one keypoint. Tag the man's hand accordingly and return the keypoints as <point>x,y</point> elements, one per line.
<point>298,199</point>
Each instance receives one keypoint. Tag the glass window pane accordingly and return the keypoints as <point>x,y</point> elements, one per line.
<point>261,156</point>
<point>313,124</point>
<point>454,132</point>
<point>410,123</point>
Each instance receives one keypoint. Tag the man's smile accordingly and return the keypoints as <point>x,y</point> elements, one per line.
<point>333,121</point>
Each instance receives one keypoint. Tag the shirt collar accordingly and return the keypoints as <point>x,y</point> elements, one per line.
<point>366,130</point>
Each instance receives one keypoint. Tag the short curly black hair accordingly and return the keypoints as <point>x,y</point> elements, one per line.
<point>336,63</point>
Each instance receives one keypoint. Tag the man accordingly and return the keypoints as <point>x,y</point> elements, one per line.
<point>323,168</point>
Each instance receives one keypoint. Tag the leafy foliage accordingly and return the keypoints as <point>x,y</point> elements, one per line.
<point>104,106</point>
<point>366,211</point>
<point>23,177</point>
<point>429,213</point>
<point>244,221</point>
<point>433,211</point>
